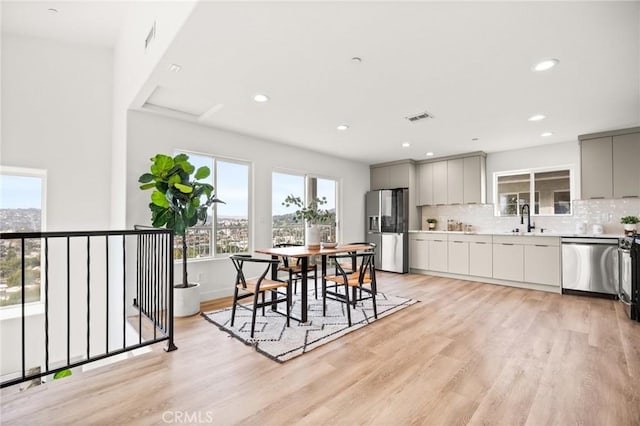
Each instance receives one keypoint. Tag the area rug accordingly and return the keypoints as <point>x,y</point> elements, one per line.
<point>274,339</point>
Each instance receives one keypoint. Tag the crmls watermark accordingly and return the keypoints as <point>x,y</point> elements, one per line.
<point>187,417</point>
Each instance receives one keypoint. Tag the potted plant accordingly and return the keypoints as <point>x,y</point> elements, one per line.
<point>313,216</point>
<point>432,223</point>
<point>178,201</point>
<point>630,224</point>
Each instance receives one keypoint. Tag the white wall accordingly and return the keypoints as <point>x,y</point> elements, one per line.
<point>150,134</point>
<point>56,116</point>
<point>559,154</point>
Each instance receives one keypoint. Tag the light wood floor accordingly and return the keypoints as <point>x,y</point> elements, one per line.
<point>469,353</point>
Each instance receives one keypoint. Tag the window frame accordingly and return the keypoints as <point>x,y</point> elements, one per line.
<point>307,195</point>
<point>532,189</point>
<point>36,307</point>
<point>214,255</point>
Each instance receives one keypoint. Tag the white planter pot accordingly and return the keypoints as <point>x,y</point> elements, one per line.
<point>630,227</point>
<point>186,301</point>
<point>312,236</point>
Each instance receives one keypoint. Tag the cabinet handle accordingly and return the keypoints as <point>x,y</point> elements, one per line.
<point>455,204</point>
<point>541,245</point>
<point>507,244</point>
<point>629,196</point>
<point>472,202</point>
<point>479,242</point>
<point>438,241</point>
<point>457,241</point>
<point>596,198</point>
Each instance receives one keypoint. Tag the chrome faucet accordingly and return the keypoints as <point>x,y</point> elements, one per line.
<point>529,226</point>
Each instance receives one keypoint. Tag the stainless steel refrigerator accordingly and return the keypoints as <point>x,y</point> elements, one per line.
<point>387,225</point>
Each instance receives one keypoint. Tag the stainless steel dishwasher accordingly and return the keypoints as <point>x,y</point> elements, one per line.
<point>590,265</point>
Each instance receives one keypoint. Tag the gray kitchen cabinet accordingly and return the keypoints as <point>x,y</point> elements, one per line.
<point>626,166</point>
<point>440,182</point>
<point>425,184</point>
<point>508,261</point>
<point>481,258</point>
<point>458,253</point>
<point>438,255</point>
<point>418,252</point>
<point>474,180</point>
<point>597,168</point>
<point>390,176</point>
<point>455,181</point>
<point>542,264</point>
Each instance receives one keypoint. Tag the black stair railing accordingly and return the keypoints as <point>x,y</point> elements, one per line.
<point>99,265</point>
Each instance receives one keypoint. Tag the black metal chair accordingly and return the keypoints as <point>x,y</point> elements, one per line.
<point>364,274</point>
<point>351,265</point>
<point>258,286</point>
<point>294,268</point>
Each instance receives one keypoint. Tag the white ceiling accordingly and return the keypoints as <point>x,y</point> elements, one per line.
<point>469,64</point>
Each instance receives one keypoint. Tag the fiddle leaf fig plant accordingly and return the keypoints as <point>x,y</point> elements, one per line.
<point>630,220</point>
<point>179,200</point>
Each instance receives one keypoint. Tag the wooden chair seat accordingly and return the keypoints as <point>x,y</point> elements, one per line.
<point>265,285</point>
<point>296,269</point>
<point>353,280</point>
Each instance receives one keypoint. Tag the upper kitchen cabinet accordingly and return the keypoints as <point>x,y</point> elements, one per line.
<point>459,179</point>
<point>391,176</point>
<point>609,164</point>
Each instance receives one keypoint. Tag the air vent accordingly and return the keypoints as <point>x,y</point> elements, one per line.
<point>418,117</point>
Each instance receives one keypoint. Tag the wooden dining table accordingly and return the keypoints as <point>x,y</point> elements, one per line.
<point>304,253</point>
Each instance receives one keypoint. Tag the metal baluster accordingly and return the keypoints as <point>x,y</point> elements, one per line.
<point>140,283</point>
<point>106,239</point>
<point>124,293</point>
<point>68,300</point>
<point>88,296</point>
<point>46,304</point>
<point>22,279</point>
<point>171,346</point>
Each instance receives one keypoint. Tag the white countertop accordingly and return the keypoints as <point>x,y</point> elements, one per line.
<point>521,234</point>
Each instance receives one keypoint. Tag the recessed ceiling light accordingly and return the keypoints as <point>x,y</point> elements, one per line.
<point>260,98</point>
<point>546,134</point>
<point>342,127</point>
<point>52,10</point>
<point>429,154</point>
<point>474,139</point>
<point>175,67</point>
<point>537,117</point>
<point>546,64</point>
<point>406,144</point>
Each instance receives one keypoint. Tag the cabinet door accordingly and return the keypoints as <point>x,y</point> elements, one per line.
<point>379,178</point>
<point>508,262</point>
<point>480,259</point>
<point>438,256</point>
<point>440,182</point>
<point>425,184</point>
<point>542,264</point>
<point>398,176</point>
<point>458,257</point>
<point>418,253</point>
<point>472,178</point>
<point>455,181</point>
<point>597,168</point>
<point>626,166</point>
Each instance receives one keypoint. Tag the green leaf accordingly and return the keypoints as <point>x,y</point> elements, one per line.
<point>61,374</point>
<point>190,211</point>
<point>186,189</point>
<point>159,199</point>
<point>148,186</point>
<point>203,172</point>
<point>179,225</point>
<point>145,178</point>
<point>161,164</point>
<point>187,167</point>
<point>180,158</point>
<point>173,179</point>
<point>162,186</point>
<point>159,219</point>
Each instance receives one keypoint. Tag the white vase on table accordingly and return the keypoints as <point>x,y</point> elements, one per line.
<point>312,236</point>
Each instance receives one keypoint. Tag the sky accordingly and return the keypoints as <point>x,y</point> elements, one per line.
<point>20,192</point>
<point>285,184</point>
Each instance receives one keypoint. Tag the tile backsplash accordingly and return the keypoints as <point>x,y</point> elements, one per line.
<point>481,216</point>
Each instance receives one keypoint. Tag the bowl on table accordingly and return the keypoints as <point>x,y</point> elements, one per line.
<point>329,245</point>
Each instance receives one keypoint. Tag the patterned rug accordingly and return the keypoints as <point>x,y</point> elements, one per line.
<point>274,339</point>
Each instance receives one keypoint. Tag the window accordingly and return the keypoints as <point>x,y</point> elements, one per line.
<point>22,202</point>
<point>228,222</point>
<point>284,228</point>
<point>552,190</point>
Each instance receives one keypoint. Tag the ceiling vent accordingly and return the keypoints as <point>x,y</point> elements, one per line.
<point>418,117</point>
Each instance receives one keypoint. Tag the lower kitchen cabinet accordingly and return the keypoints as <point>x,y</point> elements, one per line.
<point>481,259</point>
<point>542,264</point>
<point>508,261</point>
<point>458,257</point>
<point>418,252</point>
<point>438,255</point>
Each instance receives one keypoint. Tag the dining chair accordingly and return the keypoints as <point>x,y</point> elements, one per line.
<point>258,286</point>
<point>293,266</point>
<point>350,265</point>
<point>337,287</point>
